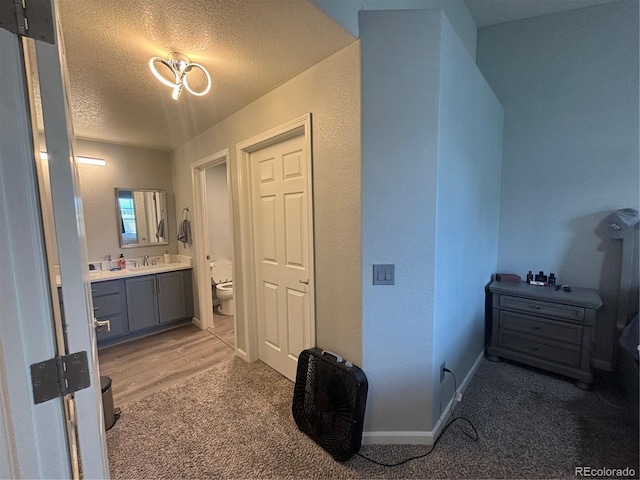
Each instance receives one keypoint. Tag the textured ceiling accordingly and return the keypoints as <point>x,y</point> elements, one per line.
<point>490,12</point>
<point>248,46</point>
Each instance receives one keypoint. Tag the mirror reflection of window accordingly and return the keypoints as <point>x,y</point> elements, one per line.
<point>127,218</point>
<point>142,217</point>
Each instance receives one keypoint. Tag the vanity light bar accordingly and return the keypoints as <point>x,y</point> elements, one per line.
<point>85,160</point>
<point>92,161</point>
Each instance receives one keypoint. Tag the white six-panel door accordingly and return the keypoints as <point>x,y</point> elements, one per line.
<point>280,191</point>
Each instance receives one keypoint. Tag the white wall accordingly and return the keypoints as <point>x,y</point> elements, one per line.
<point>569,86</point>
<point>345,13</point>
<point>468,211</point>
<point>219,221</point>
<point>329,90</point>
<point>127,167</point>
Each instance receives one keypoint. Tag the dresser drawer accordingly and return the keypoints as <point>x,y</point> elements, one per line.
<point>105,288</point>
<point>540,307</point>
<point>559,331</point>
<point>557,353</point>
<point>107,305</point>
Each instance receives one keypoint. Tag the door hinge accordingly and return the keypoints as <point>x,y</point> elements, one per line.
<point>28,18</point>
<point>59,376</point>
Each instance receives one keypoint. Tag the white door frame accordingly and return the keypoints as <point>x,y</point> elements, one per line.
<point>32,437</point>
<point>301,125</point>
<point>201,233</point>
<point>27,320</point>
<point>72,248</point>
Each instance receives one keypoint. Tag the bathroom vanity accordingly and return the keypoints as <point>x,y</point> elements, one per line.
<point>156,300</point>
<point>140,302</point>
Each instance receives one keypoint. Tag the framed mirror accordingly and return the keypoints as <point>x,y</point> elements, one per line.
<point>142,217</point>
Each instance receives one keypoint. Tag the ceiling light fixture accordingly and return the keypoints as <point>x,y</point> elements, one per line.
<point>180,65</point>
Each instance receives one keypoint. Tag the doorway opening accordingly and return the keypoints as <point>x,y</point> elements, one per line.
<point>214,246</point>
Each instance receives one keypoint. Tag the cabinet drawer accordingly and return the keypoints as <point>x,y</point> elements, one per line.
<point>105,288</point>
<point>559,331</point>
<point>118,327</point>
<point>562,354</point>
<point>540,307</point>
<point>107,305</point>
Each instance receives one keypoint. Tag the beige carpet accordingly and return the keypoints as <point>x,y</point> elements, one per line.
<point>234,421</point>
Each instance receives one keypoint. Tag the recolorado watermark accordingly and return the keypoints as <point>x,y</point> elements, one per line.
<point>604,472</point>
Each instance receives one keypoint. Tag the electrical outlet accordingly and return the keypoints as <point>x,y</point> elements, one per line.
<point>442,367</point>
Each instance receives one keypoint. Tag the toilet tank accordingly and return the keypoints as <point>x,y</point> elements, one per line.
<point>221,270</point>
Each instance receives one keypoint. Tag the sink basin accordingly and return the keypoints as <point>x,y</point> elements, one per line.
<point>148,268</point>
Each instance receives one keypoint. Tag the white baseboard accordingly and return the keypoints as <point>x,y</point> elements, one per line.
<point>198,323</point>
<point>242,354</point>
<point>463,386</point>
<point>397,438</point>
<point>426,437</point>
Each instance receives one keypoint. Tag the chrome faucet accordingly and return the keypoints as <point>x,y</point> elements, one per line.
<point>146,260</point>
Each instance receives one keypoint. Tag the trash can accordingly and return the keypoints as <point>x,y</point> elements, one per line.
<point>109,412</point>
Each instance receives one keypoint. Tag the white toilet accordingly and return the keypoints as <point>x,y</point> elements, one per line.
<point>221,278</point>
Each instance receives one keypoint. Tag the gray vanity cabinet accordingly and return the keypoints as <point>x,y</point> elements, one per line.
<point>172,304</point>
<point>109,304</point>
<point>142,302</point>
<point>154,300</point>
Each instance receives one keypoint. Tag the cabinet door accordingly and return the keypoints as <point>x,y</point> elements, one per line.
<point>142,305</point>
<point>171,296</point>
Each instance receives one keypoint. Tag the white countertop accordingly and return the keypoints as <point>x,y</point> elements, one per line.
<point>101,276</point>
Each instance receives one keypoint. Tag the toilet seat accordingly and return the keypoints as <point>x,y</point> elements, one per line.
<point>221,271</point>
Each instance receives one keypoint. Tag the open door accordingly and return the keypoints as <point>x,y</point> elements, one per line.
<point>34,434</point>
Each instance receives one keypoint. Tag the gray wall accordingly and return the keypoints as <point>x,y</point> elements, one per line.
<point>329,90</point>
<point>468,211</point>
<point>430,205</point>
<point>569,86</point>
<point>127,167</point>
<point>400,84</point>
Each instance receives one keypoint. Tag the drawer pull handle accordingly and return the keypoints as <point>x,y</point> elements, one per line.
<point>93,290</point>
<point>535,347</point>
<point>96,308</point>
<point>102,323</point>
<point>535,307</point>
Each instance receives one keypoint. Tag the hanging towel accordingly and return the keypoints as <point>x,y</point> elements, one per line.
<point>184,233</point>
<point>160,233</point>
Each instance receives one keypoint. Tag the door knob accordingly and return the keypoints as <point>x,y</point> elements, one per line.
<point>306,282</point>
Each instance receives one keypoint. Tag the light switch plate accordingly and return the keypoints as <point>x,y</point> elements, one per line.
<point>384,274</point>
